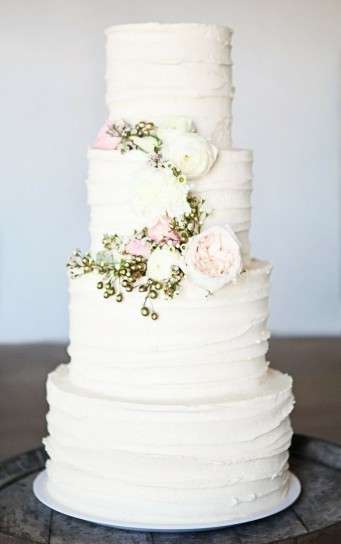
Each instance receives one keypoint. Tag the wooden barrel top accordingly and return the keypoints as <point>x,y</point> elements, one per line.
<point>314,518</point>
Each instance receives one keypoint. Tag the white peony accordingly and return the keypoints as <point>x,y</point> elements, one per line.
<point>157,193</point>
<point>189,152</point>
<point>213,258</point>
<point>160,262</point>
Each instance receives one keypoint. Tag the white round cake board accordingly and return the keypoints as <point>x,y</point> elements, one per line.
<point>41,492</point>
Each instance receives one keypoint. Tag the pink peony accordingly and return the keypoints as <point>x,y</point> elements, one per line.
<point>213,258</point>
<point>137,247</point>
<point>161,230</point>
<point>104,140</point>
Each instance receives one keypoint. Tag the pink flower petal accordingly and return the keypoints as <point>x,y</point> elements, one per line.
<point>161,230</point>
<point>137,247</point>
<point>104,140</point>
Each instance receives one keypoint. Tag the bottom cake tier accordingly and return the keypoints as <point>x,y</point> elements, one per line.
<point>171,464</point>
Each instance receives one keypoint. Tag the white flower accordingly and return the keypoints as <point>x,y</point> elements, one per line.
<point>157,193</point>
<point>177,122</point>
<point>160,262</point>
<point>146,143</point>
<point>213,258</point>
<point>189,152</point>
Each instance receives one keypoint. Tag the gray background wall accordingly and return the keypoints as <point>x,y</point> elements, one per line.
<point>287,71</point>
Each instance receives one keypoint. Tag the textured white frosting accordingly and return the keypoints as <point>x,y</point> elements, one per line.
<point>175,421</point>
<point>226,189</point>
<point>168,463</point>
<point>179,420</point>
<point>155,70</point>
<point>202,347</point>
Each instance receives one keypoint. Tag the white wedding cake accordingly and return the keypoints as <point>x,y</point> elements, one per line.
<point>168,412</point>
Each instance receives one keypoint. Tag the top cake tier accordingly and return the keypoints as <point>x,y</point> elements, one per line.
<point>155,71</point>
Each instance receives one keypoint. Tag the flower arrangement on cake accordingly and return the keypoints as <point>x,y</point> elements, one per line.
<point>169,242</point>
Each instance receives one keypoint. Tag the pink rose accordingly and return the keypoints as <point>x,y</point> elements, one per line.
<point>137,247</point>
<point>213,258</point>
<point>161,230</point>
<point>104,140</point>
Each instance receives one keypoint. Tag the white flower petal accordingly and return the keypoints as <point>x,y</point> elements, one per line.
<point>190,152</point>
<point>160,262</point>
<point>157,193</point>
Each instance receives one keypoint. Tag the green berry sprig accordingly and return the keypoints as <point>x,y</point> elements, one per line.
<point>80,264</point>
<point>116,275</point>
<point>190,224</point>
<point>119,272</point>
<point>129,135</point>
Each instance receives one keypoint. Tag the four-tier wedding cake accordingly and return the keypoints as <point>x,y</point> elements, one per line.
<point>168,412</point>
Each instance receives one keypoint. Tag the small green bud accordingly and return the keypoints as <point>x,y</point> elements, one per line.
<point>143,288</point>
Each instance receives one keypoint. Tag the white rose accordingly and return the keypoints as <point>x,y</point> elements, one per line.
<point>157,193</point>
<point>213,258</point>
<point>160,262</point>
<point>189,152</point>
<point>177,122</point>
